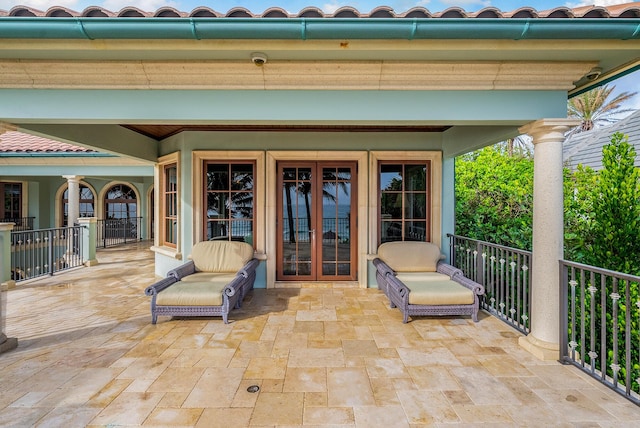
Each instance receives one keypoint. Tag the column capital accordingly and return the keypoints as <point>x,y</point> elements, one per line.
<point>544,130</point>
<point>6,127</point>
<point>73,177</point>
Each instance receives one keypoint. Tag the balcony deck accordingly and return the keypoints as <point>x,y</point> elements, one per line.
<point>88,355</point>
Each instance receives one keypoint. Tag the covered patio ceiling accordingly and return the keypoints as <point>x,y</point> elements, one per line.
<point>414,60</point>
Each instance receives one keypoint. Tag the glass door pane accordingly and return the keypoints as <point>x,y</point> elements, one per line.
<point>316,229</point>
<point>337,242</point>
<point>295,224</point>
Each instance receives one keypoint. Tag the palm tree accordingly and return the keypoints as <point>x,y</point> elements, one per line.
<point>595,109</point>
<point>519,146</point>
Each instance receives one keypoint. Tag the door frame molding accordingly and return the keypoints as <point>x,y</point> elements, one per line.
<point>272,158</point>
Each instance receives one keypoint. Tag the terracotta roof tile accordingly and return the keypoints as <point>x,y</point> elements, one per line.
<point>626,10</point>
<point>18,142</point>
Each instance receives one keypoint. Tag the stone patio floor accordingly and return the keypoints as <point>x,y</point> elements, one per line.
<point>333,357</point>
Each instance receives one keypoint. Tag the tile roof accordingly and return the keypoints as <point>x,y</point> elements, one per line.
<point>18,142</point>
<point>627,10</point>
<point>586,147</point>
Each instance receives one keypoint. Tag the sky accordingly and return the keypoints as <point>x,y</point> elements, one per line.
<point>631,83</point>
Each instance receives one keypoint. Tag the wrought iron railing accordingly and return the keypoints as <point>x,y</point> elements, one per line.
<point>21,223</point>
<point>36,253</point>
<point>599,330</point>
<point>503,271</point>
<point>116,231</point>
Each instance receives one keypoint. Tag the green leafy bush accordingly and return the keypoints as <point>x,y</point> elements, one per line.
<point>494,197</point>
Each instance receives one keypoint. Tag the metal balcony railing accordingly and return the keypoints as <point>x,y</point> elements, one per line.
<point>36,253</point>
<point>599,331</point>
<point>503,271</point>
<point>118,231</point>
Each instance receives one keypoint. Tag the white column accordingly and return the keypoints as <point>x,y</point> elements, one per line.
<point>74,198</point>
<point>548,236</point>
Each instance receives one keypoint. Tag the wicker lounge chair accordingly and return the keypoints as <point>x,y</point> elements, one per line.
<point>418,282</point>
<point>214,281</point>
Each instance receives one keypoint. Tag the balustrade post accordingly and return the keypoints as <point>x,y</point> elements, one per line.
<point>479,274</point>
<point>49,238</point>
<point>6,343</point>
<point>89,240</point>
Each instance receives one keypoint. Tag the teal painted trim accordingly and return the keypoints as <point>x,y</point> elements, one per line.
<point>371,275</point>
<point>5,264</point>
<point>261,275</point>
<point>131,173</point>
<point>27,107</point>
<point>318,28</point>
<point>102,138</point>
<point>448,223</point>
<point>464,139</point>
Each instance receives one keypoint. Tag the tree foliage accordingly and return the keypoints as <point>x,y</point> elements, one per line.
<point>578,213</point>
<point>494,197</point>
<point>494,202</point>
<point>616,203</point>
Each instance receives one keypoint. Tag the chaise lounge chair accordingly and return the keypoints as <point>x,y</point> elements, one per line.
<point>214,281</point>
<point>417,281</point>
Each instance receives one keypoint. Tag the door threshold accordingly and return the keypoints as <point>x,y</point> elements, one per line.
<point>317,284</point>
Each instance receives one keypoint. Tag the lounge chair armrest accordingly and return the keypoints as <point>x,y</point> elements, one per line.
<point>448,269</point>
<point>401,289</point>
<point>249,268</point>
<point>382,267</point>
<point>181,271</point>
<point>477,289</point>
<point>157,287</point>
<point>234,286</point>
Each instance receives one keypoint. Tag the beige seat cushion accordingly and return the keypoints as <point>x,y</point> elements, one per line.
<point>209,276</point>
<point>182,293</point>
<point>439,293</point>
<point>422,276</point>
<point>221,256</point>
<point>410,256</point>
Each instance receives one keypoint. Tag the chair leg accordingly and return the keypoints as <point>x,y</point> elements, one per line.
<point>225,318</point>
<point>405,318</point>
<point>154,318</point>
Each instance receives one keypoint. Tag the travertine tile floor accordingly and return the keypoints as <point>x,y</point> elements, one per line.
<point>332,357</point>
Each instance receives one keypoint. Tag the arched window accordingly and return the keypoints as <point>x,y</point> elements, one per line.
<point>120,202</point>
<point>87,204</point>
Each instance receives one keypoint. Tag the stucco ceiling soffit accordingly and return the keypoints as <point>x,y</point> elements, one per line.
<point>343,75</point>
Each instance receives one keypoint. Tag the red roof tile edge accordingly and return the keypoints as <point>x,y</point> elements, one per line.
<point>18,142</point>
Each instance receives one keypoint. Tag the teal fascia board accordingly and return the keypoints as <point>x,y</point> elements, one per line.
<point>26,170</point>
<point>282,106</point>
<point>318,28</point>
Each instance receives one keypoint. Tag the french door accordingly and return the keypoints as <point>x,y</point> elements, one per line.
<point>316,221</point>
